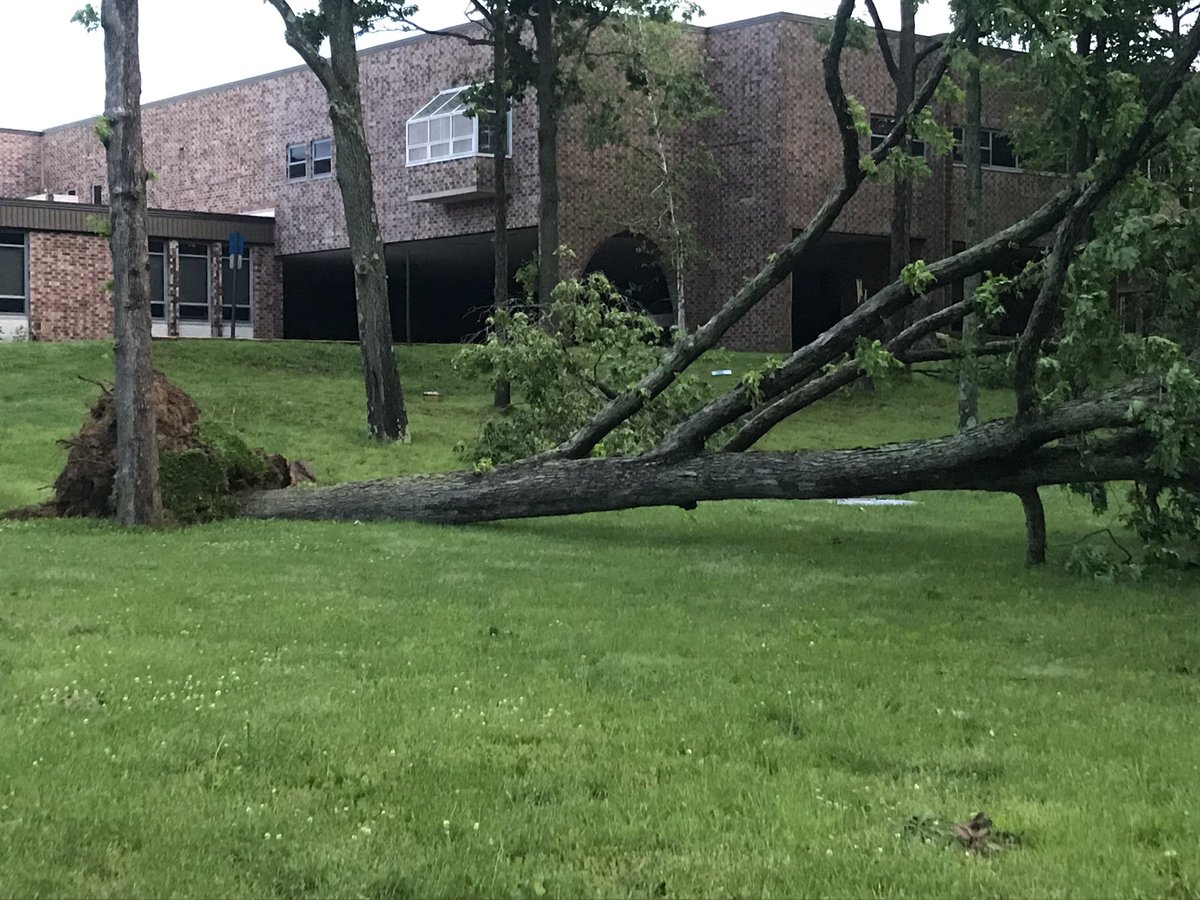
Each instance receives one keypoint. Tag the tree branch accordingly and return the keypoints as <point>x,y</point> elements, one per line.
<point>311,55</point>
<point>992,457</point>
<point>778,267</point>
<point>885,46</point>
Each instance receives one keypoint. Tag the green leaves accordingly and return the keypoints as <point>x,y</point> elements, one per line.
<point>564,362</point>
<point>87,17</point>
<point>917,277</point>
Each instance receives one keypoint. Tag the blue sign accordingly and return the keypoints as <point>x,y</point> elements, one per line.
<point>237,244</point>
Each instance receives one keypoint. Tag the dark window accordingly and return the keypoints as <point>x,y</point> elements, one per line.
<point>881,127</point>
<point>297,162</point>
<point>97,194</point>
<point>12,272</point>
<point>995,149</point>
<point>158,280</point>
<point>71,192</point>
<point>242,277</point>
<point>322,158</point>
<point>1003,154</point>
<point>193,282</point>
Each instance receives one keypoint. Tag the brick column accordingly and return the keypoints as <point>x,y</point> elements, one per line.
<point>173,288</point>
<point>216,277</point>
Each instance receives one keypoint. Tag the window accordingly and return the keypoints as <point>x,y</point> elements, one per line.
<point>297,162</point>
<point>241,299</point>
<point>71,192</point>
<point>193,283</point>
<point>441,129</point>
<point>158,280</point>
<point>97,194</point>
<point>322,158</point>
<point>12,272</point>
<point>995,148</point>
<point>881,127</point>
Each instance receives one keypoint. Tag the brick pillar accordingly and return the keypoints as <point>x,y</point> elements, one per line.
<point>173,288</point>
<point>267,293</point>
<point>216,279</point>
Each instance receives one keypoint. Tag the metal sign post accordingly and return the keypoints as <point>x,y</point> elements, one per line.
<point>237,249</point>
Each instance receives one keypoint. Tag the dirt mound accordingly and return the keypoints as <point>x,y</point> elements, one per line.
<point>201,465</point>
<point>85,485</point>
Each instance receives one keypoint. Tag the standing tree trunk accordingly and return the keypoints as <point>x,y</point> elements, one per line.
<point>906,86</point>
<point>968,387</point>
<point>503,388</point>
<point>138,501</point>
<point>387,418</point>
<point>547,105</point>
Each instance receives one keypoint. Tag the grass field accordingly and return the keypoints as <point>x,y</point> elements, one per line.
<point>751,699</point>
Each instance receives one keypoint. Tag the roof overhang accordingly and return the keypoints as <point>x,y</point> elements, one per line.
<point>79,218</point>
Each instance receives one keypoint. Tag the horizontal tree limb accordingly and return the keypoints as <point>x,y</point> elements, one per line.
<point>996,456</point>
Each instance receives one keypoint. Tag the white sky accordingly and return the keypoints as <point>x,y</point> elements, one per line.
<point>55,70</point>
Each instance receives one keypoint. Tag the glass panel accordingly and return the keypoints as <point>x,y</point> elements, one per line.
<point>449,101</point>
<point>437,151</point>
<point>297,156</point>
<point>1003,154</point>
<point>485,137</point>
<point>242,276</point>
<point>429,107</point>
<point>418,132</point>
<point>463,127</point>
<point>418,154</point>
<point>158,281</point>
<point>439,129</point>
<point>322,149</point>
<point>12,238</point>
<point>322,167</point>
<point>464,145</point>
<point>193,286</point>
<point>12,273</point>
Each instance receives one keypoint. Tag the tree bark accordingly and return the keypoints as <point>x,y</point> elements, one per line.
<point>1035,526</point>
<point>984,459</point>
<point>387,417</point>
<point>548,109</point>
<point>906,85</point>
<point>968,386</point>
<point>502,398</point>
<point>136,487</point>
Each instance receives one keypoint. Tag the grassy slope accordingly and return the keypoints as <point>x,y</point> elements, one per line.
<point>750,699</point>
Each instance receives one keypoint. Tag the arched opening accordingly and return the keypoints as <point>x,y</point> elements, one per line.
<point>632,265</point>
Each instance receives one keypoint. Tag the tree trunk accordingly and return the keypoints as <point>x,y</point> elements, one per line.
<point>1035,526</point>
<point>996,456</point>
<point>571,487</point>
<point>387,417</point>
<point>547,106</point>
<point>503,387</point>
<point>906,85</point>
<point>968,386</point>
<point>138,501</point>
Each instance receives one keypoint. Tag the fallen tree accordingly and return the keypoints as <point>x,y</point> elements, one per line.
<point>1065,432</point>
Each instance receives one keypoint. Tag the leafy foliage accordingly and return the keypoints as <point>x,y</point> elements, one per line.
<point>563,362</point>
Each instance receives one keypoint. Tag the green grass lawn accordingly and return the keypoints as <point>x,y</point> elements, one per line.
<point>751,699</point>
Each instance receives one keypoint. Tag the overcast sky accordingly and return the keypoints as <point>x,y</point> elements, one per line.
<point>54,70</point>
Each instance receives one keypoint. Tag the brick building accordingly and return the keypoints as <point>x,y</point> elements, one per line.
<point>256,157</point>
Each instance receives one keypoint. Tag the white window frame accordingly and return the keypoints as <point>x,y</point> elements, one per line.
<point>455,111</point>
<point>287,163</point>
<point>312,156</point>
<point>201,253</point>
<point>24,297</point>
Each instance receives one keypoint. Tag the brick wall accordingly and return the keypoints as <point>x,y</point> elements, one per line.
<point>68,300</point>
<point>268,294</point>
<point>20,163</point>
<point>223,150</point>
<point>776,148</point>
